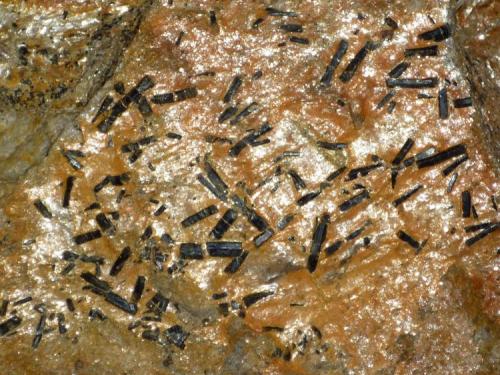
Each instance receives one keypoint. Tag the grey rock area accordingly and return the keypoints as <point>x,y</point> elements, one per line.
<point>51,65</point>
<point>477,51</point>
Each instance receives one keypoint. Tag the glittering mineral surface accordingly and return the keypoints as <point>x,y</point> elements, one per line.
<point>114,154</point>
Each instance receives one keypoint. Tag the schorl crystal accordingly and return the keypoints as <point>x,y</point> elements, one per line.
<point>224,249</point>
<point>191,251</point>
<point>319,236</point>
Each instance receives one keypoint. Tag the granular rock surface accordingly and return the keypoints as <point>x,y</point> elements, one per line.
<point>249,187</point>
